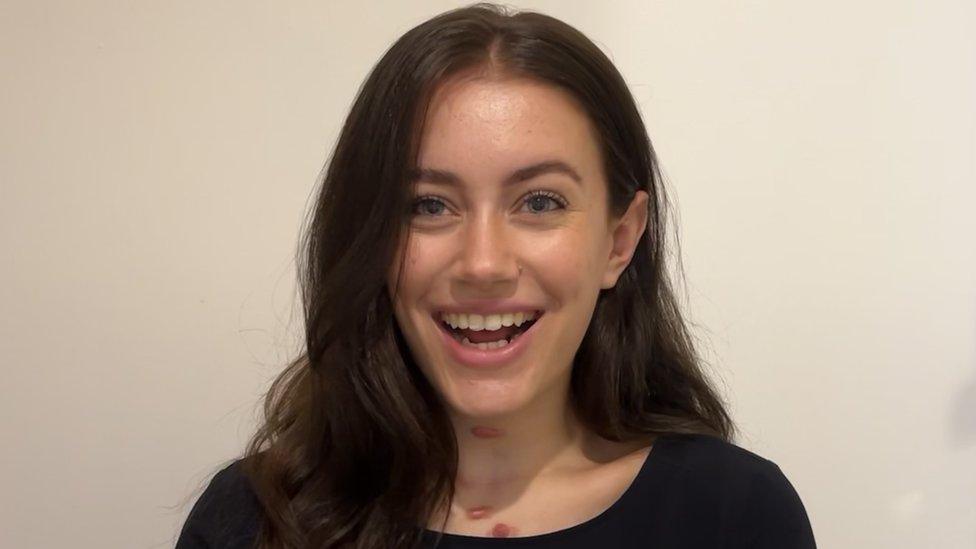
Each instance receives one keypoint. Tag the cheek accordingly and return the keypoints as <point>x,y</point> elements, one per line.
<point>412,283</point>
<point>568,262</point>
<point>408,328</point>
<point>406,273</point>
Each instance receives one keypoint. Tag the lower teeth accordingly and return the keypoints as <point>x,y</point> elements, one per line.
<point>490,345</point>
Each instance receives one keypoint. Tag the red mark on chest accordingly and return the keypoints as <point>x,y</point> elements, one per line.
<point>481,431</point>
<point>501,531</point>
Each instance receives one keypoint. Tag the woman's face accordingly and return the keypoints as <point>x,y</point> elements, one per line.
<point>468,238</point>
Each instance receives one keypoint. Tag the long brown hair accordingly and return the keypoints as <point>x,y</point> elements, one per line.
<point>356,448</point>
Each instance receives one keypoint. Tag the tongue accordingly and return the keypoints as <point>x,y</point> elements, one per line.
<point>487,336</point>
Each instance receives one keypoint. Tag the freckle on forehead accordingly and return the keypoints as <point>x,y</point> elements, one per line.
<point>482,431</point>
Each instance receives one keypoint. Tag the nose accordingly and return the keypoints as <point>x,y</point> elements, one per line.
<point>487,252</point>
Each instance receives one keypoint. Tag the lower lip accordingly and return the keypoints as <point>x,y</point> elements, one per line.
<point>477,358</point>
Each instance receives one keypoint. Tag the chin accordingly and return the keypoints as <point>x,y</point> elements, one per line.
<point>484,402</point>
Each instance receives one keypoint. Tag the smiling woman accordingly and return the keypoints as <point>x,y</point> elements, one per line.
<point>495,356</point>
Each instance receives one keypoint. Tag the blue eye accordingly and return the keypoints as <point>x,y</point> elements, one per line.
<point>545,196</point>
<point>534,198</point>
<point>426,200</point>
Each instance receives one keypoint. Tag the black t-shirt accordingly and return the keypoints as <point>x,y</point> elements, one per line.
<point>693,491</point>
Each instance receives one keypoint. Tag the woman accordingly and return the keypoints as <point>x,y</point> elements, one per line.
<point>494,353</point>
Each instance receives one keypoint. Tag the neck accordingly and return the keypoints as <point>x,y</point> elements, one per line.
<point>545,438</point>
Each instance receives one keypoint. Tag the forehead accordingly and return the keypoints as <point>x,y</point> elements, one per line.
<point>488,124</point>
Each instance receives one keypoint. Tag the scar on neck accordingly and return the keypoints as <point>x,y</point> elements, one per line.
<point>482,431</point>
<point>501,530</point>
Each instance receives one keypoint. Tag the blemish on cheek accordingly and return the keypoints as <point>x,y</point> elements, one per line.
<point>501,530</point>
<point>482,431</point>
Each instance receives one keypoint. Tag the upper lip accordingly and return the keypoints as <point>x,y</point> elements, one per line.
<point>490,307</point>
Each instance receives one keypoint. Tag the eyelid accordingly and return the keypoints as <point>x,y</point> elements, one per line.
<point>554,196</point>
<point>549,194</point>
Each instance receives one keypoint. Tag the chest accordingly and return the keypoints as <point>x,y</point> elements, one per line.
<point>540,507</point>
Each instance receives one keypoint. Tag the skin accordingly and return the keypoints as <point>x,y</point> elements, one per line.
<point>518,438</point>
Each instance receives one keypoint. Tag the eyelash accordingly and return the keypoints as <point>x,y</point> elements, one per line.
<point>547,194</point>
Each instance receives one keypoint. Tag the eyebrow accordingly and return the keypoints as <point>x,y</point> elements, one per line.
<point>525,173</point>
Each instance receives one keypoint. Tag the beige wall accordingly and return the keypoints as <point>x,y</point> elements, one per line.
<point>156,159</point>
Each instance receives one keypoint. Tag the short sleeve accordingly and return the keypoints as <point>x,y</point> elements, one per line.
<point>774,517</point>
<point>225,516</point>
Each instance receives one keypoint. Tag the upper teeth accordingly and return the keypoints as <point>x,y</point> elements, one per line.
<point>478,322</point>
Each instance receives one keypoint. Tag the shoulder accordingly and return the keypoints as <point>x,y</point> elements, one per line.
<point>713,459</point>
<point>755,501</point>
<point>225,515</point>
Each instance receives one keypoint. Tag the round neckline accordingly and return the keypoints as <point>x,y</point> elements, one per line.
<point>604,515</point>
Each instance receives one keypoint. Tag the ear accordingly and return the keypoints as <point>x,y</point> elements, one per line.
<point>627,232</point>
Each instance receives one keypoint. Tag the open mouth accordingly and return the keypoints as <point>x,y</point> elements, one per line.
<point>487,339</point>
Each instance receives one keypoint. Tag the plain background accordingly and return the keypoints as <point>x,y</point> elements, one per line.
<point>157,160</point>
